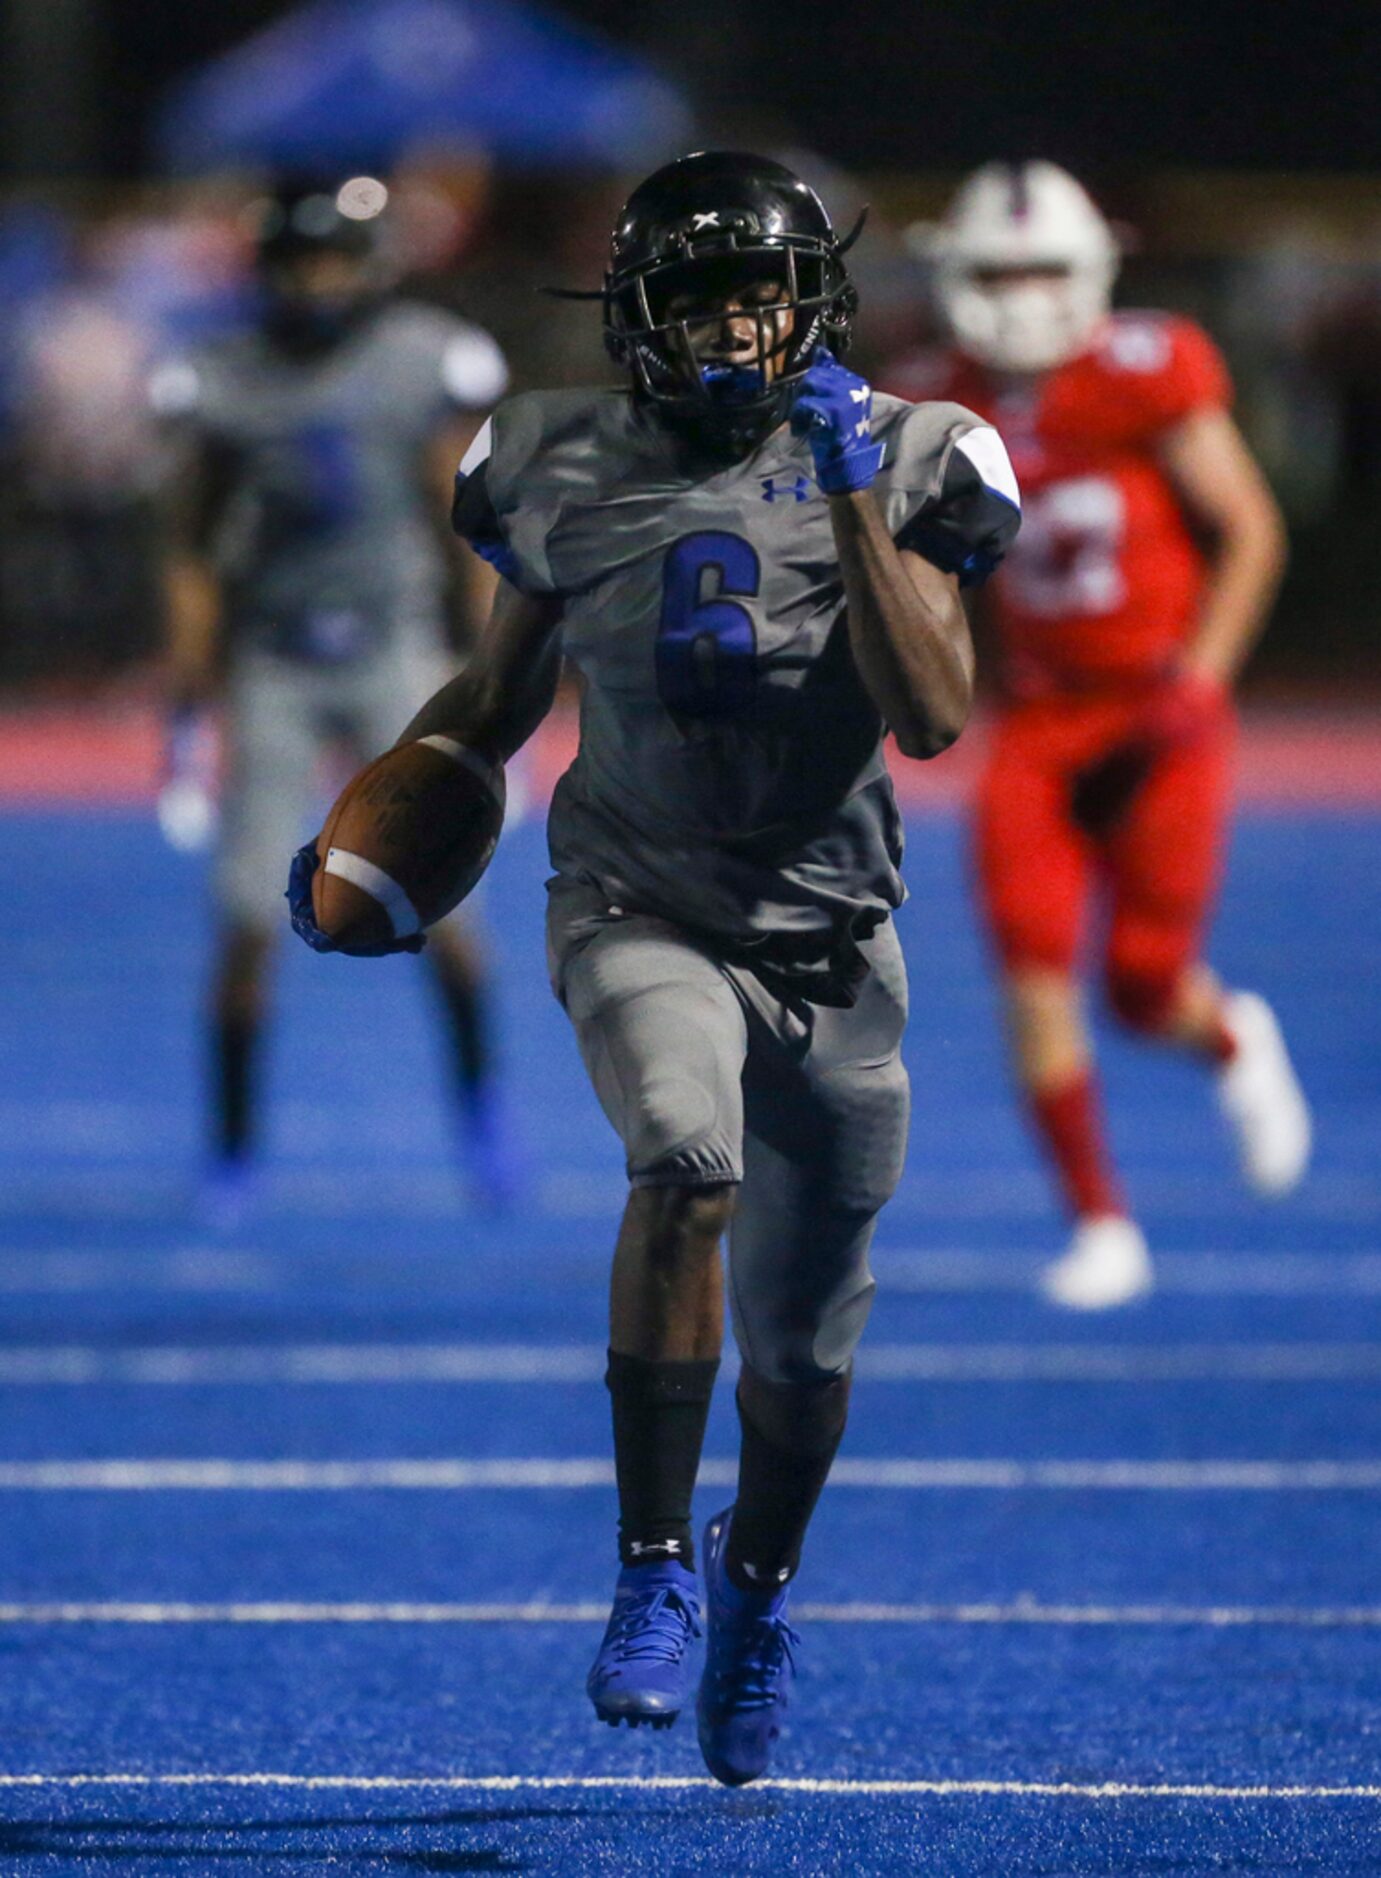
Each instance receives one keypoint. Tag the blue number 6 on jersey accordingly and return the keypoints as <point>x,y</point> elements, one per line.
<point>707,648</point>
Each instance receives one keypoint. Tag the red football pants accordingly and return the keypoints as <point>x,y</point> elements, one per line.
<point>1069,811</point>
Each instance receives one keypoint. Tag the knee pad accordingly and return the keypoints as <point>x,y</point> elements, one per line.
<point>669,1115</point>
<point>867,1158</point>
<point>678,1111</point>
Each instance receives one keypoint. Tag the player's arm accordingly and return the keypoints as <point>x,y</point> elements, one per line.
<point>907,629</point>
<point>1226,496</point>
<point>194,479</point>
<point>191,585</point>
<point>509,681</point>
<point>508,685</point>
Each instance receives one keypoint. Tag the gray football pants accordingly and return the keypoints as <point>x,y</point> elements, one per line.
<point>710,1078</point>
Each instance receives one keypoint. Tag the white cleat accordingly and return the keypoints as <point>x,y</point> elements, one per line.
<point>1260,1095</point>
<point>1107,1264</point>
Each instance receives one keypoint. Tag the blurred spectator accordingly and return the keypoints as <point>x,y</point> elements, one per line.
<point>76,586</point>
<point>35,259</point>
<point>78,591</point>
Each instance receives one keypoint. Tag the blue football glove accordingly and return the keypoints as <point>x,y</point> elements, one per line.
<point>304,865</point>
<point>834,410</point>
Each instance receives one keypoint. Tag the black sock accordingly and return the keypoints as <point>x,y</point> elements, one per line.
<point>236,1047</point>
<point>660,1410</point>
<point>467,1019</point>
<point>791,1433</point>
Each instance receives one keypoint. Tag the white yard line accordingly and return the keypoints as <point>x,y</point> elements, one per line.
<point>257,1364</point>
<point>395,1192</point>
<point>1118,1362</point>
<point>309,1363</point>
<point>677,1783</point>
<point>194,1269</point>
<point>525,1475</point>
<point>1192,1274</point>
<point>1019,1611</point>
<point>200,1268</point>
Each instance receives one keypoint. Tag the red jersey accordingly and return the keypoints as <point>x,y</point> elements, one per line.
<point>1102,585</point>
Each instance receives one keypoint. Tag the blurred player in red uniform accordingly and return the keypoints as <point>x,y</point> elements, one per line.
<point>1149,553</point>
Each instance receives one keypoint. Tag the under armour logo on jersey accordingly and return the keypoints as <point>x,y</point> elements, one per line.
<point>771,489</point>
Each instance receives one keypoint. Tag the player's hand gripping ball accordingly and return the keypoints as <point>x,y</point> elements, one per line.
<point>407,839</point>
<point>834,410</point>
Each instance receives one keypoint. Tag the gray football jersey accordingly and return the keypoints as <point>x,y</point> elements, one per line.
<point>326,539</point>
<point>730,774</point>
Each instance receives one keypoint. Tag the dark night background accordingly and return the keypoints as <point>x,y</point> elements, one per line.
<point>879,85</point>
<point>1237,144</point>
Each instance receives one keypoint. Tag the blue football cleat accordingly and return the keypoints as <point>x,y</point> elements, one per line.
<point>749,1668</point>
<point>640,1673</point>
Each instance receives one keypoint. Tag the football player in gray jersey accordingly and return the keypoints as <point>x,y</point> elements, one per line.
<point>756,566</point>
<point>306,583</point>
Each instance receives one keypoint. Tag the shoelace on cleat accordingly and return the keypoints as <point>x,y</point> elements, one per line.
<point>758,1652</point>
<point>656,1625</point>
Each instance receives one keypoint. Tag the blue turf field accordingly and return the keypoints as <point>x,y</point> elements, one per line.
<point>257,1522</point>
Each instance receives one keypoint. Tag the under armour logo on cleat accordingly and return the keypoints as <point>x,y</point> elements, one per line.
<point>704,221</point>
<point>663,1547</point>
<point>861,393</point>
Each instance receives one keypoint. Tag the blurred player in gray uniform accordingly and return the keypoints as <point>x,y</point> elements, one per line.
<point>307,576</point>
<point>756,566</point>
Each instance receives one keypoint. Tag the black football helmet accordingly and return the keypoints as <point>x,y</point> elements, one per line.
<point>704,226</point>
<point>306,218</point>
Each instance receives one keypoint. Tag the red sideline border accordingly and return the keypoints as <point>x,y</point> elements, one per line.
<point>107,755</point>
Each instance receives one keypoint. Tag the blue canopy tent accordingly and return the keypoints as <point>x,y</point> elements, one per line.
<point>355,83</point>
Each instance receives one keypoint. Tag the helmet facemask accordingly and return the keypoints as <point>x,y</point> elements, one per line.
<point>1030,322</point>
<point>308,315</point>
<point>685,311</point>
<point>726,367</point>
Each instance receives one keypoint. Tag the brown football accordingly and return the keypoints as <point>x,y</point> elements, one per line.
<point>406,840</point>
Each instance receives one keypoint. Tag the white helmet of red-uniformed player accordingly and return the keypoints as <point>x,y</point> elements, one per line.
<point>1024,266</point>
